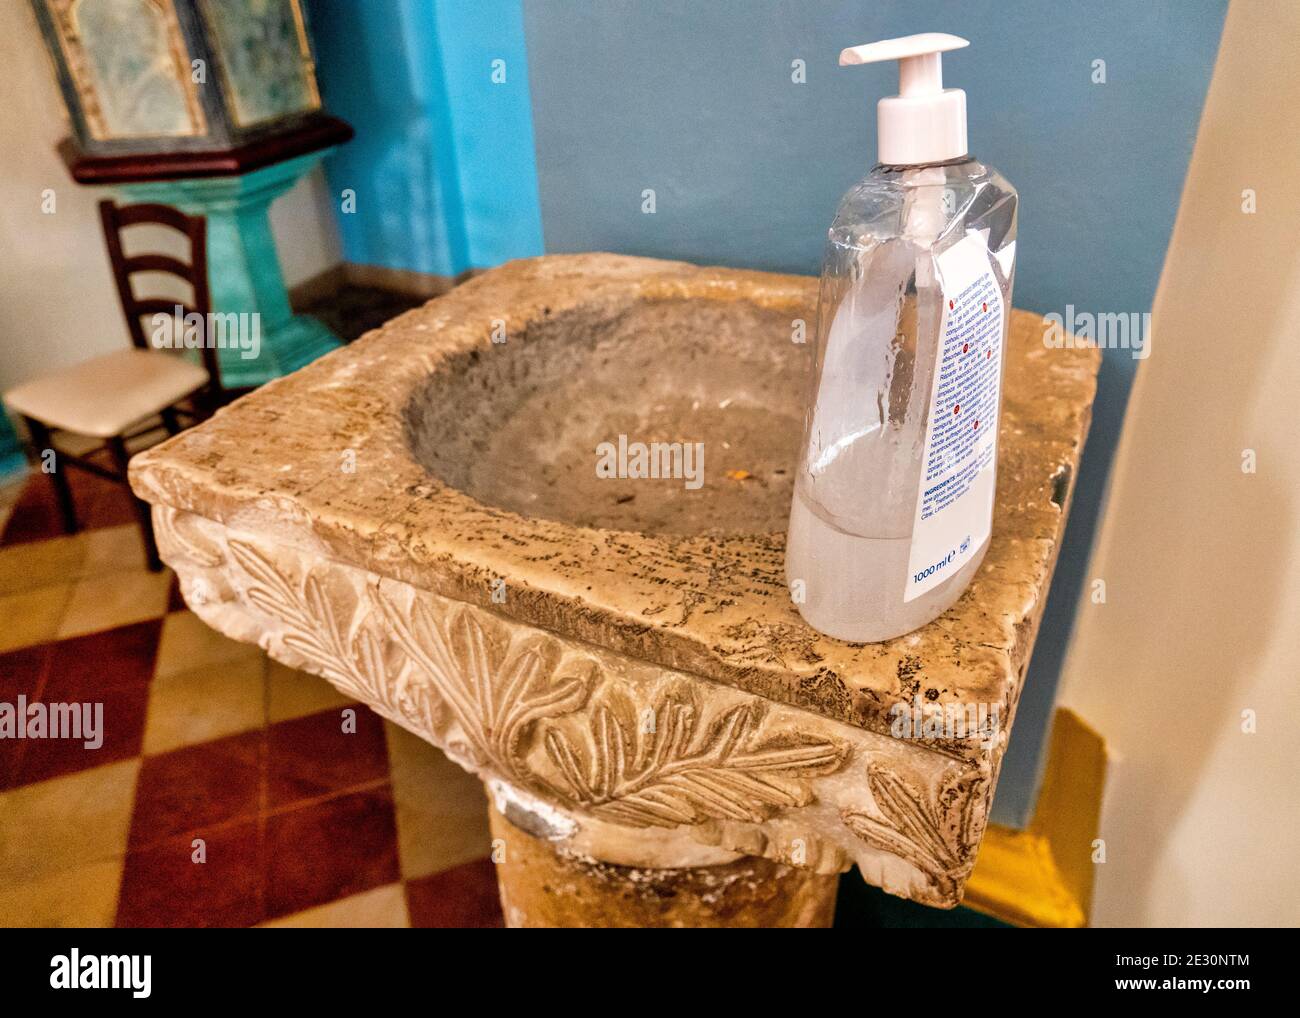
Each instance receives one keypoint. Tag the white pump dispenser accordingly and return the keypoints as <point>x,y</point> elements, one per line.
<point>925,122</point>
<point>893,501</point>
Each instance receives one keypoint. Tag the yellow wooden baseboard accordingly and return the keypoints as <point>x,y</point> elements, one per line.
<point>1042,876</point>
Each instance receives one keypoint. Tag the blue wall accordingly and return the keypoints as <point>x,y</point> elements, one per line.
<point>696,101</point>
<point>442,163</point>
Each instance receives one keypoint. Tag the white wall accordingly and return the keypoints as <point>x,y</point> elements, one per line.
<point>57,300</point>
<point>1202,613</point>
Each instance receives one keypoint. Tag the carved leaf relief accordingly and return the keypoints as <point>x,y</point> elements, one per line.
<point>495,689</point>
<point>676,764</point>
<point>354,661</point>
<point>928,832</point>
<point>467,683</point>
<point>175,530</point>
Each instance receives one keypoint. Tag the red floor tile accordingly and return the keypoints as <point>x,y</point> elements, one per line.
<point>312,757</point>
<point>112,508</point>
<point>36,514</point>
<point>197,787</point>
<point>100,502</point>
<point>326,851</point>
<point>163,886</point>
<point>22,673</point>
<point>175,602</point>
<point>121,731</point>
<point>462,897</point>
<point>112,668</point>
<point>11,752</point>
<point>121,658</point>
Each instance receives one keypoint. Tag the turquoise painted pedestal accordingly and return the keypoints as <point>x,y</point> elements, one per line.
<point>243,268</point>
<point>12,459</point>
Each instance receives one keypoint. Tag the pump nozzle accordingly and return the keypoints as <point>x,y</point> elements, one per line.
<point>924,123</point>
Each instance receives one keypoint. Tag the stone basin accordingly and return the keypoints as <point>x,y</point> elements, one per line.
<point>417,518</point>
<point>519,432</point>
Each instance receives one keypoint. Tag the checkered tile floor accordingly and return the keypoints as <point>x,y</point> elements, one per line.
<point>211,751</point>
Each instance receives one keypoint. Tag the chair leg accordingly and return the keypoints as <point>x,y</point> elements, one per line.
<point>170,421</point>
<point>117,447</point>
<point>207,401</point>
<point>43,441</point>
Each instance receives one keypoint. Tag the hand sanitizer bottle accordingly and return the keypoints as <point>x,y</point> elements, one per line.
<point>893,500</point>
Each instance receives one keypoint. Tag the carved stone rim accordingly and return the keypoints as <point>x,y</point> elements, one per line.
<point>620,760</point>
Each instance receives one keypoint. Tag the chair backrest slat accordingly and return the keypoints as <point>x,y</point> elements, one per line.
<point>158,263</point>
<point>151,212</point>
<point>162,306</point>
<point>115,218</point>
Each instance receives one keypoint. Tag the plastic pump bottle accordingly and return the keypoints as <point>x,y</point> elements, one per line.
<point>893,499</point>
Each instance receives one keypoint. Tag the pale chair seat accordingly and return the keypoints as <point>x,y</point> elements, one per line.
<point>126,396</point>
<point>105,396</point>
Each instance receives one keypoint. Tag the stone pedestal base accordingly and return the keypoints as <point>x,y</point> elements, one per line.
<point>543,887</point>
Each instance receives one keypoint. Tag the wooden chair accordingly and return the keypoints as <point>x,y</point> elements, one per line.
<point>128,394</point>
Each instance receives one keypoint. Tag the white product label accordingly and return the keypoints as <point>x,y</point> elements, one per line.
<point>954,511</point>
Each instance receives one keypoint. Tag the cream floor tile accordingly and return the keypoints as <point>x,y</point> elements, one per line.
<point>187,642</point>
<point>441,809</point>
<point>381,908</point>
<point>10,491</point>
<point>84,896</point>
<point>113,550</point>
<point>295,694</point>
<point>65,822</point>
<point>41,563</point>
<point>209,702</point>
<point>33,616</point>
<point>115,599</point>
